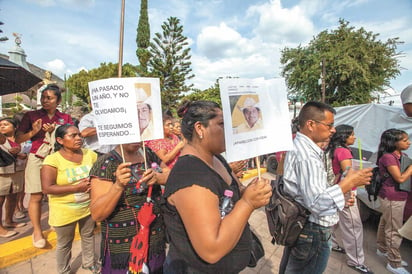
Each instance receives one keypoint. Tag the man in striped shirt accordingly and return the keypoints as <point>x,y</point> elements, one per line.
<point>306,181</point>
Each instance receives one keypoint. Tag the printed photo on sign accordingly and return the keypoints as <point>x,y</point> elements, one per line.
<point>149,107</point>
<point>256,117</point>
<point>144,108</point>
<point>246,113</point>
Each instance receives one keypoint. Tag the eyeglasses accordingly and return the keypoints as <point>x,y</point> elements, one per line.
<point>330,126</point>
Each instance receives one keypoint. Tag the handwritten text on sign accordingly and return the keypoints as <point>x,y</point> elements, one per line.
<point>114,104</point>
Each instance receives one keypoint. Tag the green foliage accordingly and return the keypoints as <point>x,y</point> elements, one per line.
<point>17,109</point>
<point>18,98</point>
<point>170,61</point>
<point>4,38</point>
<point>12,108</point>
<point>356,63</point>
<point>210,94</point>
<point>80,103</point>
<point>78,83</point>
<point>143,39</point>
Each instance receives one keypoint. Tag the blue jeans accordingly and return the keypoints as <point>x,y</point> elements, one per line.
<point>311,252</point>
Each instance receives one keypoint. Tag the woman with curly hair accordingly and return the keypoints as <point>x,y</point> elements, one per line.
<point>350,222</point>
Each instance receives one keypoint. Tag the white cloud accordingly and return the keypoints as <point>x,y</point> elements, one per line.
<point>224,51</point>
<point>57,66</point>
<point>263,61</point>
<point>222,42</point>
<point>281,25</point>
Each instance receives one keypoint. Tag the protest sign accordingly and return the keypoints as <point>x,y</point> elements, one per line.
<point>115,103</point>
<point>149,107</point>
<point>256,117</point>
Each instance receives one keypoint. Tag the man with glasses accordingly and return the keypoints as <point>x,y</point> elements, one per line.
<point>306,181</point>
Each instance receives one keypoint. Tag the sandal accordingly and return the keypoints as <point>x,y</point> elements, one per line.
<point>14,225</point>
<point>339,249</point>
<point>39,243</point>
<point>95,269</point>
<point>8,234</point>
<point>19,215</point>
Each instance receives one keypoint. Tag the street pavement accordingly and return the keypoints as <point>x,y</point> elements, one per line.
<point>29,260</point>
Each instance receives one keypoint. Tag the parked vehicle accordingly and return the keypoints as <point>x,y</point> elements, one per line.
<point>369,121</point>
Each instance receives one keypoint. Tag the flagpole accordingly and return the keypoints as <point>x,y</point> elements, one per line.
<point>258,166</point>
<point>121,54</point>
<point>121,40</point>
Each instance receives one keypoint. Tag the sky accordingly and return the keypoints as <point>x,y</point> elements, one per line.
<point>238,38</point>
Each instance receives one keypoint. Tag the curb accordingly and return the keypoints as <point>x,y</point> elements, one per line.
<point>22,249</point>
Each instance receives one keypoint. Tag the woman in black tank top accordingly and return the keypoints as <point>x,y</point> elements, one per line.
<point>200,240</point>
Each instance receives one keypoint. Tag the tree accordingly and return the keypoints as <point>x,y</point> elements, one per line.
<point>356,64</point>
<point>143,39</point>
<point>4,38</point>
<point>78,83</point>
<point>170,61</point>
<point>210,94</point>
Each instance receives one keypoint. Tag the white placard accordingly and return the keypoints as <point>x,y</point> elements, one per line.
<point>256,117</point>
<point>149,105</point>
<point>115,103</point>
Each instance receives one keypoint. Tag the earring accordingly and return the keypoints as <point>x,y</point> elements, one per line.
<point>200,136</point>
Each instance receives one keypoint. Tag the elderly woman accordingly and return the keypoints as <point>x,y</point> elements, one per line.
<point>65,178</point>
<point>200,240</point>
<point>34,126</point>
<point>119,190</point>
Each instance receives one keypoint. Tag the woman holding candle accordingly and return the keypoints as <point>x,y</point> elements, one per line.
<point>349,218</point>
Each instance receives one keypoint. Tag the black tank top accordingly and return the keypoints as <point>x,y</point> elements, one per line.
<point>190,170</point>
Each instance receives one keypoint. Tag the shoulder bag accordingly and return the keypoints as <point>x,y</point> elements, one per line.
<point>6,158</point>
<point>256,252</point>
<point>286,217</point>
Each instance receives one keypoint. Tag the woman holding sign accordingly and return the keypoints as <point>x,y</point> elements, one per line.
<point>200,240</point>
<point>34,126</point>
<point>119,190</point>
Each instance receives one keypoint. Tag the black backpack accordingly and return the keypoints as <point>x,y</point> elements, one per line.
<point>375,184</point>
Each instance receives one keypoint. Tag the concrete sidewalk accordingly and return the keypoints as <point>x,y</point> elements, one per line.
<point>43,261</point>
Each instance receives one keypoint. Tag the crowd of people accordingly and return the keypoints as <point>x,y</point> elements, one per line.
<point>182,179</point>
